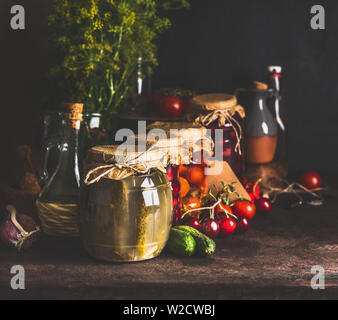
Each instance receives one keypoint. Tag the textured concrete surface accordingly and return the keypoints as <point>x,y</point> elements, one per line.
<point>272,261</point>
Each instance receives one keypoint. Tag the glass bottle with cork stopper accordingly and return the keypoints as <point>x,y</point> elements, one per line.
<point>58,201</point>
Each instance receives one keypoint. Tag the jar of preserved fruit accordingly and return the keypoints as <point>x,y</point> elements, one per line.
<point>125,204</point>
<point>221,112</point>
<point>188,152</point>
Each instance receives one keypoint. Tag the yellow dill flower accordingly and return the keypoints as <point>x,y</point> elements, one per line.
<point>94,36</point>
<point>94,10</point>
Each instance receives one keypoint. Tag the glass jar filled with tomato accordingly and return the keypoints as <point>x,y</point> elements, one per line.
<point>187,151</point>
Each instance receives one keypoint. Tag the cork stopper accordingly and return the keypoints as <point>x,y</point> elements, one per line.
<point>73,113</point>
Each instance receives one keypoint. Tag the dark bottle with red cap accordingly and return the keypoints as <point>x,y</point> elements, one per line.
<point>277,108</point>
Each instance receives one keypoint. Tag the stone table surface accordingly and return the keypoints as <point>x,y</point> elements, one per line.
<point>272,261</point>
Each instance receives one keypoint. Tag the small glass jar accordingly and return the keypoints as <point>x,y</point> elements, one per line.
<point>125,214</point>
<point>221,112</point>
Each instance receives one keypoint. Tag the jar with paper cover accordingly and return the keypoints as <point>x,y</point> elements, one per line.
<point>125,204</point>
<point>224,117</point>
<point>189,149</point>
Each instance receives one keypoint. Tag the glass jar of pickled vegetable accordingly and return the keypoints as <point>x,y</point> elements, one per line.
<point>125,205</point>
<point>221,112</point>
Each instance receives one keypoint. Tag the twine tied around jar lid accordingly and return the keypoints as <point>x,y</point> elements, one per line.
<point>118,163</point>
<point>220,108</point>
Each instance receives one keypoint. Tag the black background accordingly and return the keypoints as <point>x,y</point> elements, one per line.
<point>216,46</point>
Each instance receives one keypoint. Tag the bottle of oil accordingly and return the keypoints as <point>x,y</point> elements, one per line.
<point>58,201</point>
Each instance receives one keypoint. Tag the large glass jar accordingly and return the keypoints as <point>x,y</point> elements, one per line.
<point>221,112</point>
<point>125,207</point>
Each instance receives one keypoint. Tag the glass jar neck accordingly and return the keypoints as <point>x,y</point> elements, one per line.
<point>70,149</point>
<point>71,132</point>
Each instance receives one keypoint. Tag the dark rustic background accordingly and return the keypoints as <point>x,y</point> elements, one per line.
<point>216,46</point>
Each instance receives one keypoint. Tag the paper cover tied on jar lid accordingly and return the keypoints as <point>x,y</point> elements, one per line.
<point>259,85</point>
<point>191,137</point>
<point>217,108</point>
<point>173,150</point>
<point>216,101</point>
<point>119,162</point>
<point>213,106</point>
<point>169,150</point>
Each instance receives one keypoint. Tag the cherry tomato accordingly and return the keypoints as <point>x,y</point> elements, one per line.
<point>252,197</point>
<point>194,223</point>
<point>263,204</point>
<point>210,228</point>
<point>193,203</point>
<point>182,171</point>
<point>253,191</point>
<point>243,224</point>
<point>220,212</point>
<point>171,107</point>
<point>185,187</point>
<point>311,180</point>
<point>221,207</point>
<point>227,226</point>
<point>195,175</point>
<point>244,208</point>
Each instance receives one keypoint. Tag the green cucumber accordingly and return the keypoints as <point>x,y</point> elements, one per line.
<point>204,245</point>
<point>181,243</point>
